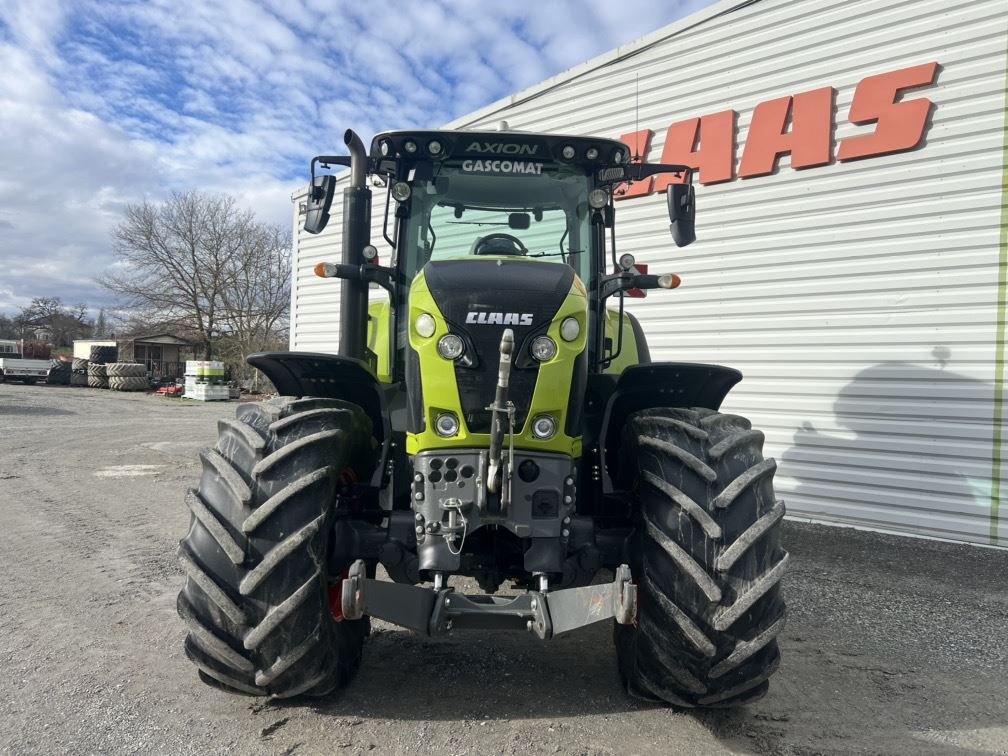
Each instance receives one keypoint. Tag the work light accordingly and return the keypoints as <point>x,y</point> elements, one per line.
<point>592,153</point>
<point>568,152</point>
<point>597,198</point>
<point>401,191</point>
<point>410,146</point>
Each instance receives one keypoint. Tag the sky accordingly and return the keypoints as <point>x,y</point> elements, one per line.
<point>105,104</point>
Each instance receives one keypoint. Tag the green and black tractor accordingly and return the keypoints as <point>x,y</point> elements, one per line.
<point>492,414</point>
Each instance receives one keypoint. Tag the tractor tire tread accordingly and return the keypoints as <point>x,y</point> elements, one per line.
<point>707,559</point>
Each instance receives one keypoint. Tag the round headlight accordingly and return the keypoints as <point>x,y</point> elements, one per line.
<point>434,147</point>
<point>425,325</point>
<point>598,198</point>
<point>568,152</point>
<point>410,146</point>
<point>626,261</point>
<point>401,191</point>
<point>617,156</point>
<point>543,427</point>
<point>592,153</point>
<point>446,425</point>
<point>570,329</point>
<point>370,252</point>
<point>544,348</point>
<point>450,346</point>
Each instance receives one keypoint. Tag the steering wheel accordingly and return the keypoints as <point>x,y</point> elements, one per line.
<point>499,244</point>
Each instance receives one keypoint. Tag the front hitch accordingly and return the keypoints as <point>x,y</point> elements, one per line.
<point>502,416</point>
<point>436,612</point>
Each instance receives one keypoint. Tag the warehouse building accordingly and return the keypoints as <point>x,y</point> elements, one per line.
<point>851,253</point>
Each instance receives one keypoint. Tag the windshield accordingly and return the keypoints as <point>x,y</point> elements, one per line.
<point>499,207</point>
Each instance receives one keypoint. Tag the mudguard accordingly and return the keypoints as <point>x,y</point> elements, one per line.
<point>658,384</point>
<point>332,377</point>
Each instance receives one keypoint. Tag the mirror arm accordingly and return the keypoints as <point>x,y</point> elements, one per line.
<point>327,160</point>
<point>638,171</point>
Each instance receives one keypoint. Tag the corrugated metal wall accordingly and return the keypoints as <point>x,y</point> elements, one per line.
<point>860,299</point>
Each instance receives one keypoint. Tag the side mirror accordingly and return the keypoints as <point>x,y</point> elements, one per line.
<point>320,197</point>
<point>682,213</point>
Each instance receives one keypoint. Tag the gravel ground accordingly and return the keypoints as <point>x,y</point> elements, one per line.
<point>893,645</point>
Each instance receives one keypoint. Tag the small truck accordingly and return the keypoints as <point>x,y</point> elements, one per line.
<point>13,368</point>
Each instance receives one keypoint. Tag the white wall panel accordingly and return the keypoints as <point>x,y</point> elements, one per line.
<point>860,300</point>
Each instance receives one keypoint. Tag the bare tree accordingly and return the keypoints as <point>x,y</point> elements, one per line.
<point>193,260</point>
<point>256,300</point>
<point>63,323</point>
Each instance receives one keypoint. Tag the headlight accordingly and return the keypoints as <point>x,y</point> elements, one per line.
<point>446,425</point>
<point>570,329</point>
<point>543,427</point>
<point>401,191</point>
<point>425,325</point>
<point>450,346</point>
<point>592,153</point>
<point>544,348</point>
<point>568,152</point>
<point>434,147</point>
<point>410,146</point>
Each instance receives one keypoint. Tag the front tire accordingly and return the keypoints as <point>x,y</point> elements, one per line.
<point>707,558</point>
<point>257,552</point>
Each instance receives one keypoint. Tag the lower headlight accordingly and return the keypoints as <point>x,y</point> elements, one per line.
<point>543,348</point>
<point>450,346</point>
<point>446,425</point>
<point>570,329</point>
<point>543,427</point>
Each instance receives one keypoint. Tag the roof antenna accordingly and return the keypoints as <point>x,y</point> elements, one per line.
<point>636,144</point>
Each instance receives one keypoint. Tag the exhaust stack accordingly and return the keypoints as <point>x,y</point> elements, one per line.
<point>356,236</point>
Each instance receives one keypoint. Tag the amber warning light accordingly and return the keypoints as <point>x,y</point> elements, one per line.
<point>325,270</point>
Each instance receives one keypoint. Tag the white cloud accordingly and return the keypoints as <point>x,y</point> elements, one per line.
<point>107,103</point>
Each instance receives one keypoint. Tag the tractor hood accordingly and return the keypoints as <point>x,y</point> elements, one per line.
<point>479,299</point>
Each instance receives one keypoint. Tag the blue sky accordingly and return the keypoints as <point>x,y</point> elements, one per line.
<point>107,103</point>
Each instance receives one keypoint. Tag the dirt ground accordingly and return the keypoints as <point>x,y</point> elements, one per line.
<point>893,646</point>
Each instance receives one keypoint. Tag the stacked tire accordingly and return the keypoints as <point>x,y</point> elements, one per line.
<point>96,376</point>
<point>104,354</point>
<point>79,372</point>
<point>59,373</point>
<point>127,376</point>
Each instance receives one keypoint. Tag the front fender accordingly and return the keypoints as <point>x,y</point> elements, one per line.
<point>658,384</point>
<point>333,377</point>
